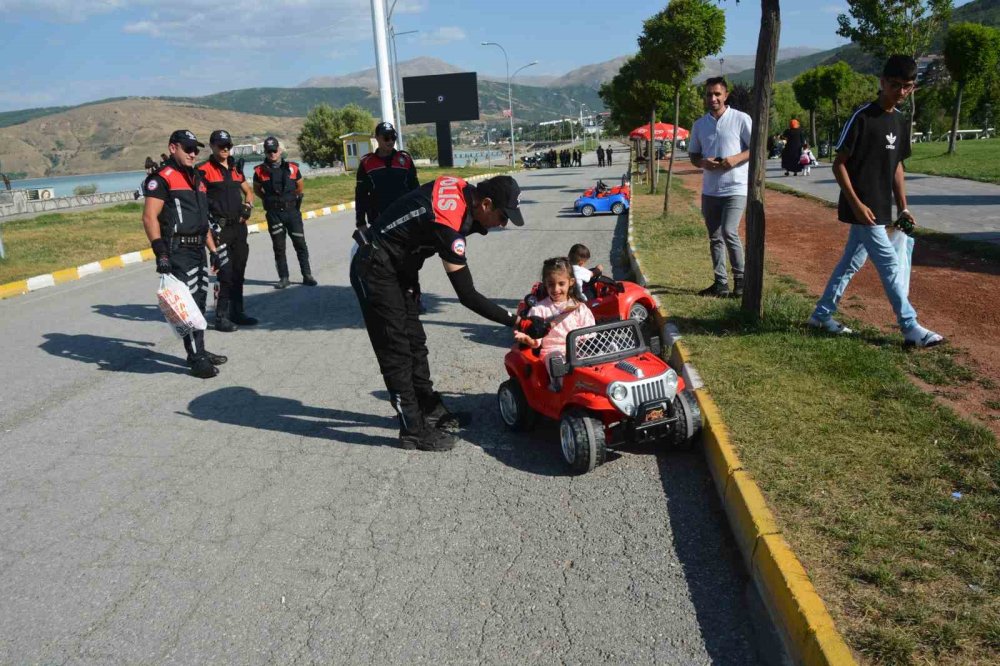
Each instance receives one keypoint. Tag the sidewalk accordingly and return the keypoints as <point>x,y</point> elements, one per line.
<point>966,208</point>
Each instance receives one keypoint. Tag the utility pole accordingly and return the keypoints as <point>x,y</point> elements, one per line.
<point>382,60</point>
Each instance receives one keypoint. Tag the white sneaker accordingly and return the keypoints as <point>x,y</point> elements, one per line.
<point>830,325</point>
<point>918,336</point>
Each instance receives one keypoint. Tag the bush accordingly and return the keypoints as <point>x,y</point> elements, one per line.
<point>81,190</point>
<point>422,146</point>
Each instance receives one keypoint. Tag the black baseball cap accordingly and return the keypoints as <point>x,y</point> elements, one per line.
<point>221,138</point>
<point>271,145</point>
<point>185,138</point>
<point>385,129</point>
<point>505,194</point>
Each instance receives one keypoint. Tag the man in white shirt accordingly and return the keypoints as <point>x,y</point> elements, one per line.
<point>720,146</point>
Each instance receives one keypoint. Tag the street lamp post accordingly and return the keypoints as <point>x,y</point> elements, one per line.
<point>510,97</point>
<point>533,62</point>
<point>397,80</point>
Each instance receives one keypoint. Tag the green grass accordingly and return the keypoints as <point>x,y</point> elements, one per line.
<point>858,464</point>
<point>56,241</point>
<point>973,160</point>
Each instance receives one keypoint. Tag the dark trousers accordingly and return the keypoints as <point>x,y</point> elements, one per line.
<point>283,223</point>
<point>390,310</point>
<point>187,264</point>
<point>234,237</point>
<point>608,158</point>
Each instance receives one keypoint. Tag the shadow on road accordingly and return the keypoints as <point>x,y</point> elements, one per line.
<point>242,406</point>
<point>129,311</point>
<point>113,354</point>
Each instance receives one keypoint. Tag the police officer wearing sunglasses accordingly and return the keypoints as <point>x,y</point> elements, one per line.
<point>279,184</point>
<point>175,217</point>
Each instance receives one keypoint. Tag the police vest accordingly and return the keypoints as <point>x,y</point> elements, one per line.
<point>388,177</point>
<point>225,188</point>
<point>185,206</point>
<point>277,181</point>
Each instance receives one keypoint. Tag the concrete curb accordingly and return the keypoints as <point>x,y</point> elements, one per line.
<point>796,609</point>
<point>19,287</point>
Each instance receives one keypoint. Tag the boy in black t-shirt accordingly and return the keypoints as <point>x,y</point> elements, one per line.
<point>869,170</point>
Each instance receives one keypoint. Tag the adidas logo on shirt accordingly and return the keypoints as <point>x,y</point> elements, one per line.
<point>891,138</point>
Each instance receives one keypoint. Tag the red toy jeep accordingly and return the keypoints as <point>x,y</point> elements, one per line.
<point>615,390</point>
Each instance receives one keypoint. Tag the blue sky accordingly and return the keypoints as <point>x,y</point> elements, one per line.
<point>58,52</point>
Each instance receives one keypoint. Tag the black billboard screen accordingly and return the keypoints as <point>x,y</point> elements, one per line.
<point>442,97</point>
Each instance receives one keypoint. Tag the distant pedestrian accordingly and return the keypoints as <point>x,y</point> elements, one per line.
<point>6,182</point>
<point>869,170</point>
<point>792,151</point>
<point>720,146</point>
<point>607,155</point>
<point>383,176</point>
<point>600,155</point>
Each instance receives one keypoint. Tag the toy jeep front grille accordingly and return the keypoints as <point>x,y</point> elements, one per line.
<point>604,343</point>
<point>656,388</point>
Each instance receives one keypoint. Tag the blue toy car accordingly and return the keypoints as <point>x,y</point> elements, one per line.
<point>601,199</point>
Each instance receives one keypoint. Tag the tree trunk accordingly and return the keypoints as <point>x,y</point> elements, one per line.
<point>954,120</point>
<point>673,149</point>
<point>763,83</point>
<point>836,113</point>
<point>651,164</point>
<point>812,128</point>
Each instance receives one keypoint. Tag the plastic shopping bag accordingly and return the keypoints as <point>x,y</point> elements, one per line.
<point>903,245</point>
<point>178,307</point>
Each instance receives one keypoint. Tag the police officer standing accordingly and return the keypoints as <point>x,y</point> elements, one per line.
<point>383,176</point>
<point>175,217</point>
<point>279,184</point>
<point>230,202</point>
<point>435,218</point>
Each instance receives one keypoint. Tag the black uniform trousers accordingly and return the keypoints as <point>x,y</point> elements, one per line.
<point>283,223</point>
<point>390,310</point>
<point>234,237</point>
<point>187,264</point>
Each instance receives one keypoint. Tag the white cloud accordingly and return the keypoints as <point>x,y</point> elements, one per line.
<point>444,35</point>
<point>834,9</point>
<point>61,11</point>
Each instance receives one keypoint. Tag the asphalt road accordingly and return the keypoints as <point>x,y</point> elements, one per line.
<point>266,516</point>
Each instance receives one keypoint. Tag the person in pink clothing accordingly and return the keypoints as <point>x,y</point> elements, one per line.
<point>564,308</point>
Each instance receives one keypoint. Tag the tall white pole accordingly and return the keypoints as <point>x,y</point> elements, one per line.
<point>382,60</point>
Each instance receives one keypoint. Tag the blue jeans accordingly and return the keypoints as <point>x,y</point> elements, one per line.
<point>864,242</point>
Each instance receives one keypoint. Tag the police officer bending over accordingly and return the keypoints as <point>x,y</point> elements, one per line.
<point>433,219</point>
<point>383,176</point>
<point>175,217</point>
<point>279,184</point>
<point>230,202</point>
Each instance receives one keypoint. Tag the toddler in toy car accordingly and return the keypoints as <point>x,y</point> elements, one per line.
<point>579,255</point>
<point>563,308</point>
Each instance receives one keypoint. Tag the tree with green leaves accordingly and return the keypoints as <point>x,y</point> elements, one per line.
<point>834,80</point>
<point>319,141</point>
<point>633,96</point>
<point>673,44</point>
<point>885,27</point>
<point>808,90</point>
<point>971,53</point>
<point>423,146</point>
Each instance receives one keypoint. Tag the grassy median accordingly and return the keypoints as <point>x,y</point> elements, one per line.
<point>974,159</point>
<point>56,241</point>
<point>890,500</point>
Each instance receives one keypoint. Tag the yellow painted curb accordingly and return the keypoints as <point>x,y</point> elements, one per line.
<point>65,275</point>
<point>808,630</point>
<point>13,289</point>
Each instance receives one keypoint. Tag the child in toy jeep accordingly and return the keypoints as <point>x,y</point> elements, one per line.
<point>614,391</point>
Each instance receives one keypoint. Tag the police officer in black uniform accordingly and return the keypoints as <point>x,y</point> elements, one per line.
<point>279,185</point>
<point>230,201</point>
<point>433,219</point>
<point>175,217</point>
<point>383,176</point>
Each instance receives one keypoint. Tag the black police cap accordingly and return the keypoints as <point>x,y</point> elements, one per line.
<point>221,138</point>
<point>385,129</point>
<point>185,138</point>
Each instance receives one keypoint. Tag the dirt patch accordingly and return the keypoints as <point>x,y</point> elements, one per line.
<point>953,294</point>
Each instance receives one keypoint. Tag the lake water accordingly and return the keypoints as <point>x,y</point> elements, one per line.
<point>127,181</point>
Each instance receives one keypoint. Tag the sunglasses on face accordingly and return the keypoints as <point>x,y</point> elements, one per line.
<point>225,147</point>
<point>503,216</point>
<point>193,150</point>
<point>271,152</point>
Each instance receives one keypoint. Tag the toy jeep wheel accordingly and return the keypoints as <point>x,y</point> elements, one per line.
<point>618,208</point>
<point>514,409</point>
<point>582,439</point>
<point>688,428</point>
<point>587,210</point>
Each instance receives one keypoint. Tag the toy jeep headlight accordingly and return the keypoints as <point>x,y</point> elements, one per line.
<point>621,398</point>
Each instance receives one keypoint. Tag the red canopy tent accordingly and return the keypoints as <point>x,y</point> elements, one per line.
<point>661,132</point>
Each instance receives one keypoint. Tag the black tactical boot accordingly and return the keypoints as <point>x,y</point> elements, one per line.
<point>202,367</point>
<point>738,287</point>
<point>436,415</point>
<point>308,280</point>
<point>237,315</point>
<point>428,439</point>
<point>222,321</point>
<point>214,359</point>
<point>282,283</point>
